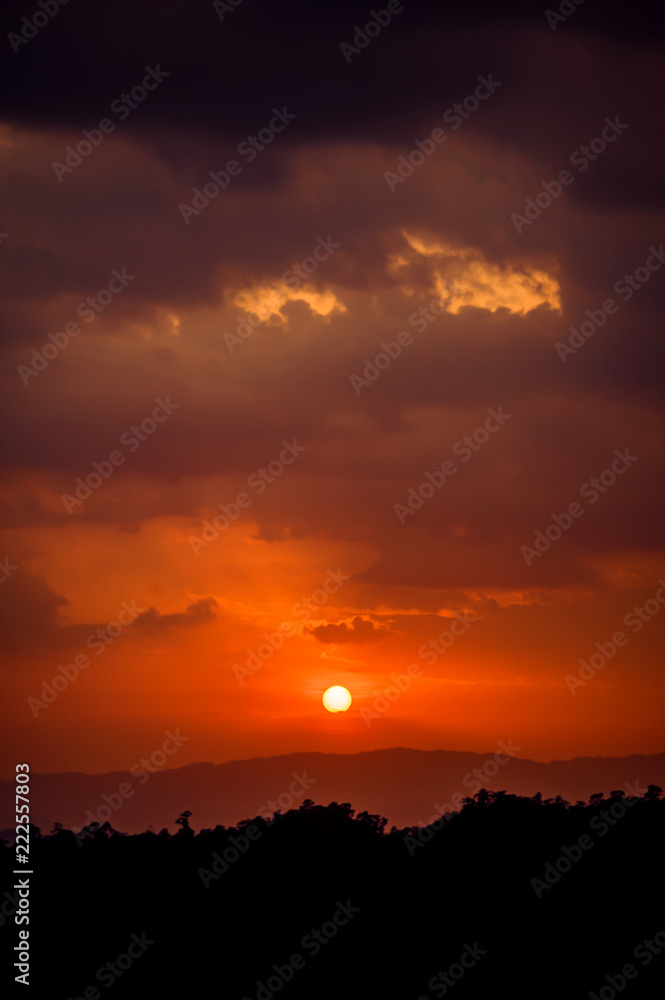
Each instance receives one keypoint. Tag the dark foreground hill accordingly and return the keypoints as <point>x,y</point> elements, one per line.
<point>509,897</point>
<point>407,786</point>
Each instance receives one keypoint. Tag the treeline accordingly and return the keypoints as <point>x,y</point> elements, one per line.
<point>518,895</point>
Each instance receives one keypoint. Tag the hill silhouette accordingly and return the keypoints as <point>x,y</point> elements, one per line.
<point>404,785</point>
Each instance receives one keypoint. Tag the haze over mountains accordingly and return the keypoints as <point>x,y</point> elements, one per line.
<point>409,787</point>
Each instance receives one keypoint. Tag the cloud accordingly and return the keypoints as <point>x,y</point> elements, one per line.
<point>29,612</point>
<point>356,630</point>
<point>199,613</point>
<point>31,622</point>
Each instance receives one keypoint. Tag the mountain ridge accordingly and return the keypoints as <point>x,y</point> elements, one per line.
<point>406,785</point>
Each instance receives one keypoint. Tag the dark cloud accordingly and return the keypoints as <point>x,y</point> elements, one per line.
<point>324,176</point>
<point>227,74</point>
<point>29,611</point>
<point>357,630</point>
<point>30,616</point>
<point>199,613</point>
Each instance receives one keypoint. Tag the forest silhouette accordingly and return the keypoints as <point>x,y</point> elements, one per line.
<point>511,895</point>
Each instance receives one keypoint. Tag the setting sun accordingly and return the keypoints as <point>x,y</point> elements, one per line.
<point>337,699</point>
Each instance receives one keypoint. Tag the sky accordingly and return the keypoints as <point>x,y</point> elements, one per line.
<point>331,356</point>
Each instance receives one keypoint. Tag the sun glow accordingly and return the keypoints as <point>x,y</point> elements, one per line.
<point>337,699</point>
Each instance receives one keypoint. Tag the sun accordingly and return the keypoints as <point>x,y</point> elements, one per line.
<point>337,699</point>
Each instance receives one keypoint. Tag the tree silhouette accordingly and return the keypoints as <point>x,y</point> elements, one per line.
<point>420,896</point>
<point>183,822</point>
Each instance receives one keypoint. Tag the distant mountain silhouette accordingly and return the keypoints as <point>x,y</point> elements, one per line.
<point>408,787</point>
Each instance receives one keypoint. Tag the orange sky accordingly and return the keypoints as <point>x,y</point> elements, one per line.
<point>244,335</point>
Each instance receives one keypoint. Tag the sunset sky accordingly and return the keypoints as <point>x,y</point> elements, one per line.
<point>185,341</point>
